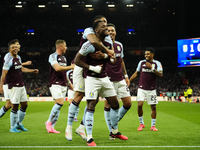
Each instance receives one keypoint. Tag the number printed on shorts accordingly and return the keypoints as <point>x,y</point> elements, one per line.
<point>153,98</point>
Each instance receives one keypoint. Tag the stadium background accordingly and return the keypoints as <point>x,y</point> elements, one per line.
<point>156,23</point>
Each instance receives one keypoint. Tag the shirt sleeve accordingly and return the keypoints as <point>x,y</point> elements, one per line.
<point>139,66</point>
<point>53,59</point>
<point>88,31</point>
<point>87,48</point>
<point>122,52</point>
<point>7,64</point>
<point>159,66</point>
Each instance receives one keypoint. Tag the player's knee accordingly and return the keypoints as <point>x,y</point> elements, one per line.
<point>127,103</point>
<point>91,104</point>
<point>153,107</point>
<point>24,106</point>
<point>115,106</point>
<point>15,107</point>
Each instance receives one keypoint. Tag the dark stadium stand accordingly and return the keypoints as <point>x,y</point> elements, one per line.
<point>157,23</point>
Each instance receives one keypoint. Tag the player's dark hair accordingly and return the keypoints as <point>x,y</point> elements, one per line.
<point>150,49</point>
<point>97,18</point>
<point>111,25</point>
<point>95,24</point>
<point>12,42</point>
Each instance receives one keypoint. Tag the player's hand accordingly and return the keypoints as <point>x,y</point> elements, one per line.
<point>28,62</point>
<point>113,60</point>
<point>36,71</point>
<point>127,81</point>
<point>148,65</point>
<point>72,66</point>
<point>97,55</point>
<point>111,53</point>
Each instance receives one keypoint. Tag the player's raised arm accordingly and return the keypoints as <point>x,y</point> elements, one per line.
<point>94,40</point>
<point>26,70</point>
<point>136,73</point>
<point>57,67</point>
<point>27,63</point>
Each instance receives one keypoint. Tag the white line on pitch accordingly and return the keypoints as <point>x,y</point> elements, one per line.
<point>97,146</point>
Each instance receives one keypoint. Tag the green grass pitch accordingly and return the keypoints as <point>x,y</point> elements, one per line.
<point>178,124</point>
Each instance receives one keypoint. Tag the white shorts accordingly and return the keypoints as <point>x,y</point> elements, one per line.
<point>58,91</point>
<point>149,94</point>
<point>78,80</point>
<point>121,89</point>
<point>6,92</point>
<point>18,95</point>
<point>98,86</point>
<point>70,94</point>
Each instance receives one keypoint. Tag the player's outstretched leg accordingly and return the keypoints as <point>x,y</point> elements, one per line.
<point>13,121</point>
<point>21,115</point>
<point>108,121</point>
<point>141,127</point>
<point>114,121</point>
<point>153,123</point>
<point>76,115</point>
<point>3,111</point>
<point>89,120</point>
<point>81,129</point>
<point>71,113</point>
<point>116,134</point>
<point>52,117</point>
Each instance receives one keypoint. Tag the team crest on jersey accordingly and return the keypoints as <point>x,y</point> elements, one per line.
<point>108,47</point>
<point>91,94</point>
<point>118,48</point>
<point>153,65</point>
<point>81,87</point>
<point>17,100</point>
<point>59,94</point>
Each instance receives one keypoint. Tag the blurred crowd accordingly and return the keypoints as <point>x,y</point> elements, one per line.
<point>173,80</point>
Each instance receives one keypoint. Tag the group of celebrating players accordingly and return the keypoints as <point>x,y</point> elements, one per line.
<point>98,70</point>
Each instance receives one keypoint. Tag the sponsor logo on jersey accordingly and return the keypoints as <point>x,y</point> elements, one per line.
<point>117,54</point>
<point>18,67</point>
<point>15,63</point>
<point>59,59</point>
<point>144,65</point>
<point>146,70</point>
<point>62,64</point>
